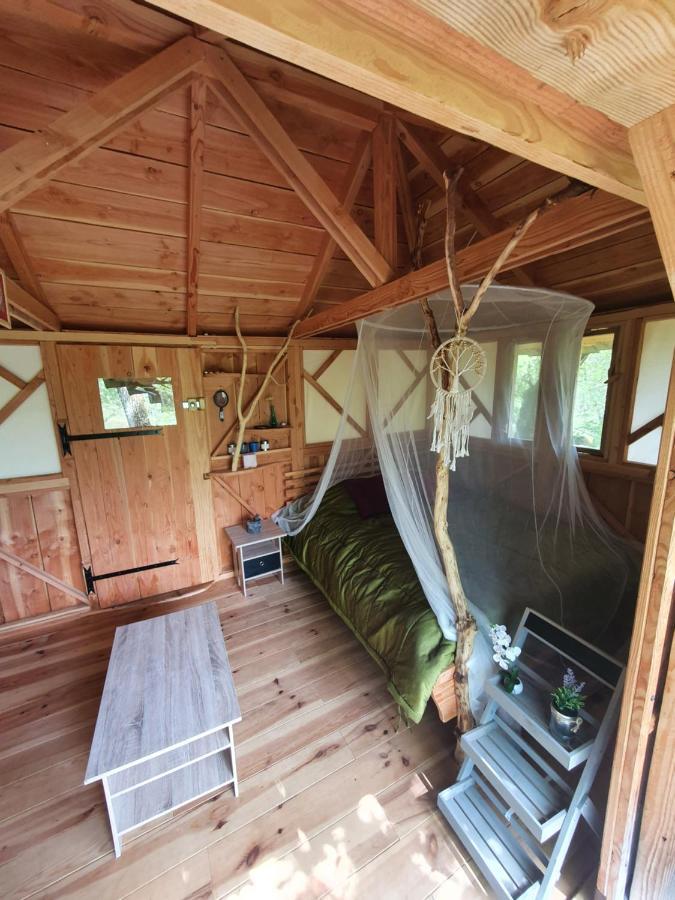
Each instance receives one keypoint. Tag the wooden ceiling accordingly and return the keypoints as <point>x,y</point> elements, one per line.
<point>105,243</point>
<point>616,57</point>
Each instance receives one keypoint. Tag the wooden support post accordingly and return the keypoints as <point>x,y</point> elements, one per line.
<point>296,407</point>
<point>653,144</point>
<point>350,188</point>
<point>194,229</point>
<point>384,188</point>
<point>244,102</point>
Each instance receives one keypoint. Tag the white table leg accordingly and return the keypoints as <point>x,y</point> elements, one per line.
<point>241,570</point>
<point>281,561</point>
<point>111,818</point>
<point>233,761</point>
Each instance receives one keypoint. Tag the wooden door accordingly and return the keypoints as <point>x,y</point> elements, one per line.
<point>145,499</point>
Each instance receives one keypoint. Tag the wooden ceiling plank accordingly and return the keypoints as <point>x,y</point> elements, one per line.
<point>28,309</point>
<point>40,156</point>
<point>433,71</point>
<point>12,241</point>
<point>351,187</point>
<point>195,194</point>
<point>573,222</point>
<point>435,162</point>
<point>384,188</point>
<point>268,133</point>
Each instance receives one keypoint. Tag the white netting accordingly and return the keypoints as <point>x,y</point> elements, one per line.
<point>524,528</point>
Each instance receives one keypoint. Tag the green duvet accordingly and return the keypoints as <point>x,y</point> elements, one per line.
<point>365,573</point>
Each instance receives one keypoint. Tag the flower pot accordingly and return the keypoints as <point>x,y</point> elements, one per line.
<point>564,727</point>
<point>513,688</point>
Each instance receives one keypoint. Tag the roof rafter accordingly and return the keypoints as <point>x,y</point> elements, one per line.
<point>28,309</point>
<point>245,103</point>
<point>432,158</point>
<point>350,188</point>
<point>39,157</point>
<point>195,192</point>
<point>571,223</point>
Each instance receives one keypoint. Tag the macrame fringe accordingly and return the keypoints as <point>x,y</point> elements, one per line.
<point>452,412</point>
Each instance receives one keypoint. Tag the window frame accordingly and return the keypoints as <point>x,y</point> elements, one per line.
<point>612,377</point>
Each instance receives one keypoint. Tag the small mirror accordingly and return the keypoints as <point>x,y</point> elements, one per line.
<point>221,399</point>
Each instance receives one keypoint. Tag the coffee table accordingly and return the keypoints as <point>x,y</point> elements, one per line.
<point>164,731</point>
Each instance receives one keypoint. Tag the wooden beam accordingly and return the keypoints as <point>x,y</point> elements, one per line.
<point>384,189</point>
<point>23,395</point>
<point>650,644</point>
<point>405,200</point>
<point>326,364</point>
<point>571,223</point>
<point>28,309</point>
<point>396,52</point>
<point>643,430</point>
<point>18,256</point>
<point>39,157</point>
<point>271,137</point>
<point>434,161</point>
<point>195,192</point>
<point>350,188</point>
<point>332,401</point>
<point>40,574</point>
<point>653,143</point>
<point>12,378</point>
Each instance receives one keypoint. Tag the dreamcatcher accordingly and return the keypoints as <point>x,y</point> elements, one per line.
<point>457,368</point>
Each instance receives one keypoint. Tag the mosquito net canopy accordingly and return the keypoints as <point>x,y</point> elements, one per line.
<point>524,528</point>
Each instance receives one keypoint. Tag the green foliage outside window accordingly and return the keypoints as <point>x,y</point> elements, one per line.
<point>142,403</point>
<point>590,399</point>
<point>525,391</point>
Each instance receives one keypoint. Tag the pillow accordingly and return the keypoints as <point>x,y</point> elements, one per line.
<point>369,496</point>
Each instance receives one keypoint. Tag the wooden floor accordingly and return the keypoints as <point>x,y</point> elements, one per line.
<point>337,795</point>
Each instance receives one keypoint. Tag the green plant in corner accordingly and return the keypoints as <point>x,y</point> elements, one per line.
<point>568,699</point>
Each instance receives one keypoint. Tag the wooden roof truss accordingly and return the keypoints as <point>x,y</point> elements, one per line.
<point>385,144</point>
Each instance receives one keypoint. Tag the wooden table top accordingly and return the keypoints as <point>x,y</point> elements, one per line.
<point>240,537</point>
<point>168,681</point>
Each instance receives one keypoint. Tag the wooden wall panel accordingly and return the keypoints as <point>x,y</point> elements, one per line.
<point>38,526</point>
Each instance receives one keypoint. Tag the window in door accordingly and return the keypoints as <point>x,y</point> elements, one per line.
<point>136,403</point>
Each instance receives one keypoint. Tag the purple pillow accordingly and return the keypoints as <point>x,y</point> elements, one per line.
<point>369,496</point>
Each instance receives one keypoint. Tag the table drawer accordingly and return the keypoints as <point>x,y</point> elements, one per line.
<point>259,565</point>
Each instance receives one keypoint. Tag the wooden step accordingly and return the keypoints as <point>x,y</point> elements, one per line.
<point>495,844</point>
<point>525,781</point>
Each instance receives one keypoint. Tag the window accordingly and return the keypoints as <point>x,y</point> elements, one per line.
<point>136,403</point>
<point>525,391</point>
<point>590,398</point>
<point>658,344</point>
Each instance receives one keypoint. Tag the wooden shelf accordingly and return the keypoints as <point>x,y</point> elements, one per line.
<point>531,711</point>
<point>479,819</point>
<point>525,780</point>
<point>155,798</point>
<point>166,763</point>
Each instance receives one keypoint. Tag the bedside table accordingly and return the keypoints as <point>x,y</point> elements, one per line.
<point>256,555</point>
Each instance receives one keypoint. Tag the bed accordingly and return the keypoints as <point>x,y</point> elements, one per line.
<point>363,570</point>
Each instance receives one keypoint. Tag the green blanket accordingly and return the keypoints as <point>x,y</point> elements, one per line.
<point>365,573</point>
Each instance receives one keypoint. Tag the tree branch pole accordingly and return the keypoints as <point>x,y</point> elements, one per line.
<point>243,418</point>
<point>465,622</point>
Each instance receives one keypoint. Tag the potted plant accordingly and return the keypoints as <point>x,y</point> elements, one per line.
<point>566,703</point>
<point>505,656</point>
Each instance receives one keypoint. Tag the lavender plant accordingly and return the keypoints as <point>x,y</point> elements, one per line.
<point>568,699</point>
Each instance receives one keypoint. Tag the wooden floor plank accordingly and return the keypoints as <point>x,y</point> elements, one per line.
<point>319,741</point>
